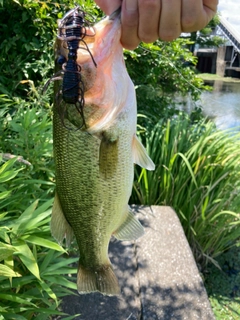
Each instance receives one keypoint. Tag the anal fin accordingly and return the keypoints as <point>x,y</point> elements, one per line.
<point>60,228</point>
<point>130,229</point>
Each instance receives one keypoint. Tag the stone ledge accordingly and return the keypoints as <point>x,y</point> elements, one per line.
<point>157,273</point>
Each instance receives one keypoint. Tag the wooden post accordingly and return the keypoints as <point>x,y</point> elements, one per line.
<point>221,64</point>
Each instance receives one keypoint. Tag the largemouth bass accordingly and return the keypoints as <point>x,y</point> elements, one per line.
<point>94,164</point>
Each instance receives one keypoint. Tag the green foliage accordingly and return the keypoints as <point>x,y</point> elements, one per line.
<point>197,173</point>
<point>160,72</point>
<point>206,36</point>
<point>31,263</point>
<point>27,34</point>
<point>27,40</point>
<point>26,132</point>
<point>223,286</point>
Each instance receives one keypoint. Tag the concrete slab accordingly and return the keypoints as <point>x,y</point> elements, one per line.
<point>95,306</point>
<point>170,284</point>
<point>157,273</point>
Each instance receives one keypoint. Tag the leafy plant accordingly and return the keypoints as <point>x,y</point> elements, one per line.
<point>207,36</point>
<point>197,173</point>
<point>27,132</point>
<point>27,41</point>
<point>161,72</point>
<point>32,265</point>
<point>223,286</point>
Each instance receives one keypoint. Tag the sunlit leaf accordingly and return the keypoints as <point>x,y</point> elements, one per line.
<point>24,218</point>
<point>25,254</point>
<point>4,234</point>
<point>49,291</point>
<point>62,281</point>
<point>4,194</point>
<point>43,242</point>
<point>5,271</point>
<point>6,250</point>
<point>25,299</point>
<point>7,165</point>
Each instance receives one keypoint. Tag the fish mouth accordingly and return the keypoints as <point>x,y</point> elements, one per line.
<point>91,35</point>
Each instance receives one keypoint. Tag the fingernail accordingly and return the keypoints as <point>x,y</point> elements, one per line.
<point>131,5</point>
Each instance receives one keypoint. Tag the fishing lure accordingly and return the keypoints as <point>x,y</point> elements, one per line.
<point>72,29</point>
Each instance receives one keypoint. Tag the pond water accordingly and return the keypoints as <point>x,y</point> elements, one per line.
<point>222,104</point>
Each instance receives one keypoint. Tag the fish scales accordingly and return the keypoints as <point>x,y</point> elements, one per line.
<point>94,166</point>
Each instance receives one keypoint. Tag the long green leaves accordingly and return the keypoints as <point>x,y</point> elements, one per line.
<point>32,265</point>
<point>197,173</point>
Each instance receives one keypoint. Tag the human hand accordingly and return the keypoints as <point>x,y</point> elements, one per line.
<point>149,20</point>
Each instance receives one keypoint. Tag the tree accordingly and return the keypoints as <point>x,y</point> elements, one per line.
<point>206,37</point>
<point>161,72</point>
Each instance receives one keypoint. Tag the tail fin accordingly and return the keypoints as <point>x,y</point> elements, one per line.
<point>102,279</point>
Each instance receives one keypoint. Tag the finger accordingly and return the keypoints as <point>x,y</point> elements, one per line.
<point>149,13</point>
<point>210,8</point>
<point>108,6</point>
<point>197,13</point>
<point>170,20</point>
<point>129,19</point>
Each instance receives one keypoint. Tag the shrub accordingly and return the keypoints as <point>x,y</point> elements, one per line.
<point>26,131</point>
<point>160,72</point>
<point>27,41</point>
<point>32,265</point>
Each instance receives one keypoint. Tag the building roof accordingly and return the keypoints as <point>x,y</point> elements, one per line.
<point>230,33</point>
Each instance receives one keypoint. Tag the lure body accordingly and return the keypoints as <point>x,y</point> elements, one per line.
<point>72,30</point>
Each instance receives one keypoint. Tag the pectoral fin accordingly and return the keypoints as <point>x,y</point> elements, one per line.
<point>130,229</point>
<point>60,228</point>
<point>108,156</point>
<point>140,155</point>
